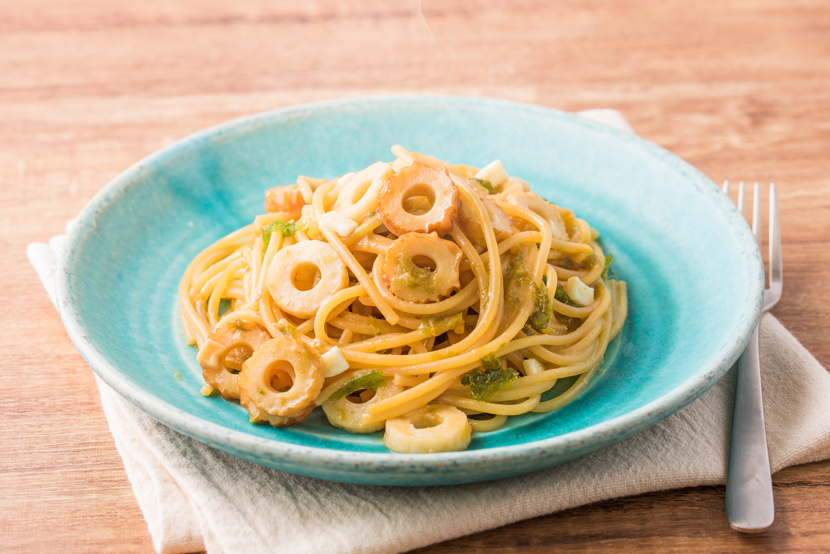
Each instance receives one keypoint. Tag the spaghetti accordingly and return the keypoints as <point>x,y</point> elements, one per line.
<point>419,297</point>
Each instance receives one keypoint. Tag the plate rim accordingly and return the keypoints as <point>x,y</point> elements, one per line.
<point>610,431</point>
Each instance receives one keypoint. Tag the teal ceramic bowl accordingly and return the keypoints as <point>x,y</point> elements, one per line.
<point>693,269</point>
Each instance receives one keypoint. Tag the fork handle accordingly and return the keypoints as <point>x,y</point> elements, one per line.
<point>749,503</point>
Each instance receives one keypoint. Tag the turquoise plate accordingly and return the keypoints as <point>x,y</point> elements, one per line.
<point>693,269</point>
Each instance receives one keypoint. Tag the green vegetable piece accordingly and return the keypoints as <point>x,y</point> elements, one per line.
<point>486,381</point>
<point>374,323</point>
<point>177,376</point>
<point>567,263</point>
<point>606,270</point>
<point>286,229</point>
<point>371,380</point>
<point>484,183</point>
<point>516,280</point>
<point>543,310</point>
<point>436,325</point>
<point>562,296</point>
<point>412,276</point>
<point>516,269</point>
<point>528,330</point>
<point>484,297</point>
<point>490,362</point>
<point>287,328</point>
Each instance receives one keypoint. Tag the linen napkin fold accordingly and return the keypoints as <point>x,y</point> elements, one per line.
<point>197,498</point>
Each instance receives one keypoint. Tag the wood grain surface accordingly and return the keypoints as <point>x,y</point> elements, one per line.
<point>740,88</point>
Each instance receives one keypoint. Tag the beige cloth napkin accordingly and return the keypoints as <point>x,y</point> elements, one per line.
<point>194,497</point>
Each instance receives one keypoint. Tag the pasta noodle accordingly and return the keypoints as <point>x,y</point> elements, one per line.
<point>426,299</point>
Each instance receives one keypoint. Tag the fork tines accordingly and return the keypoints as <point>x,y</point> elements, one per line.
<point>776,274</point>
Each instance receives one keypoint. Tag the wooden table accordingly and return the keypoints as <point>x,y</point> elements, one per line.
<point>739,88</point>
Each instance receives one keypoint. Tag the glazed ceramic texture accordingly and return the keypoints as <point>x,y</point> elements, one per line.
<point>693,269</point>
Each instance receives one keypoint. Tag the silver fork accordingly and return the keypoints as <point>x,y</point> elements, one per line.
<point>749,503</point>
